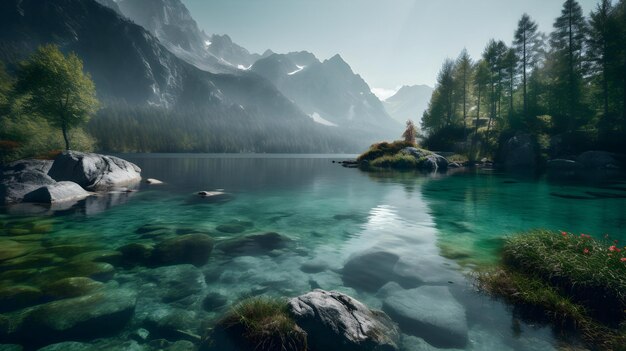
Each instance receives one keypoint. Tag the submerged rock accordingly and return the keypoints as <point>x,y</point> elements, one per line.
<point>18,296</point>
<point>254,244</point>
<point>72,287</point>
<point>431,313</point>
<point>369,270</point>
<point>94,171</point>
<point>189,248</point>
<point>335,321</point>
<point>235,226</point>
<point>136,253</point>
<point>82,318</point>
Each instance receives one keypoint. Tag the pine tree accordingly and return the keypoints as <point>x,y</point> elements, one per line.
<point>527,44</point>
<point>568,45</point>
<point>463,76</point>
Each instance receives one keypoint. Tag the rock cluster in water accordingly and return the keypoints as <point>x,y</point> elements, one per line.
<point>70,177</point>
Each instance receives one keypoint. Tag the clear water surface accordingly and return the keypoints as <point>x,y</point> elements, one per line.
<point>441,226</point>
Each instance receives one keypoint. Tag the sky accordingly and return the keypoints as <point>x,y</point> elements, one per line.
<point>390,43</point>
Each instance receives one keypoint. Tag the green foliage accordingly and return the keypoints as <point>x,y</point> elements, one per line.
<point>383,149</point>
<point>572,279</point>
<point>54,87</point>
<point>398,161</point>
<point>266,325</point>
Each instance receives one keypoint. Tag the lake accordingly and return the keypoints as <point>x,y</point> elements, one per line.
<point>437,230</point>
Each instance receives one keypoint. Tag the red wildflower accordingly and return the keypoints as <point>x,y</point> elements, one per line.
<point>623,259</point>
<point>613,248</point>
<point>563,233</point>
<point>586,251</point>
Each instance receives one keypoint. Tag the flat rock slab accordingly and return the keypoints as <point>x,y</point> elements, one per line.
<point>431,313</point>
<point>57,192</point>
<point>335,321</point>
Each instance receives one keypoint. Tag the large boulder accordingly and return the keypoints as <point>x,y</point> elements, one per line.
<point>94,171</point>
<point>335,321</point>
<point>520,152</point>
<point>431,313</point>
<point>598,160</point>
<point>22,177</point>
<point>56,192</point>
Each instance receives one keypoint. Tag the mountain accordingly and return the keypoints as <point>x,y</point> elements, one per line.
<point>171,22</point>
<point>137,77</point>
<point>409,102</point>
<point>329,91</point>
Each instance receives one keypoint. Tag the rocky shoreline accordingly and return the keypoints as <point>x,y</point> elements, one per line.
<point>70,177</point>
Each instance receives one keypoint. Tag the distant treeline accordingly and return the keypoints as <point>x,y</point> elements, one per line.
<point>570,84</point>
<point>124,128</point>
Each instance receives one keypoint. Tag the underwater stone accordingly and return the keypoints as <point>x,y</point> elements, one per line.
<point>72,287</point>
<point>254,244</point>
<point>136,253</point>
<point>369,270</point>
<point>96,315</point>
<point>106,256</point>
<point>18,296</point>
<point>431,313</point>
<point>189,248</point>
<point>213,301</point>
<point>11,249</point>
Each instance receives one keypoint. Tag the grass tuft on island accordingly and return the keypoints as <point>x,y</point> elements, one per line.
<point>574,280</point>
<point>390,155</point>
<point>265,324</point>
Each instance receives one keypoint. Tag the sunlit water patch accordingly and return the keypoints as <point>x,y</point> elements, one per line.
<point>290,224</point>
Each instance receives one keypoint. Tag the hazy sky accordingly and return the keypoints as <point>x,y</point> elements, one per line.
<point>388,42</point>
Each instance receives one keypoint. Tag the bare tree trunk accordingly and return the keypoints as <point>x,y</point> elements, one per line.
<point>65,137</point>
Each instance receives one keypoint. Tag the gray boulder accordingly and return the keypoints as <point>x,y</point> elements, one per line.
<point>431,313</point>
<point>335,321</point>
<point>598,160</point>
<point>56,192</point>
<point>94,171</point>
<point>520,152</point>
<point>22,177</point>
<point>427,160</point>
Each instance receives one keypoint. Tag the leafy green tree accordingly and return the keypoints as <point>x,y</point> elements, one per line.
<point>482,77</point>
<point>493,56</point>
<point>54,86</point>
<point>528,45</point>
<point>568,44</point>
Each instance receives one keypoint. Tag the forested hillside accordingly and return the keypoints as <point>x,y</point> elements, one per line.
<point>567,88</point>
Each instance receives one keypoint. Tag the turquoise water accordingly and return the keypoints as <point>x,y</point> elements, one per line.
<point>440,226</point>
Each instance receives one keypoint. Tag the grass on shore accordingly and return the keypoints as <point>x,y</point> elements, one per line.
<point>574,280</point>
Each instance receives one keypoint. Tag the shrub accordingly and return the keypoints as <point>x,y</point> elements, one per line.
<point>262,324</point>
<point>398,161</point>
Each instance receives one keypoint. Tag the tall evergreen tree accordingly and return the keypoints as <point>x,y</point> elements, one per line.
<point>527,44</point>
<point>463,78</point>
<point>440,112</point>
<point>601,48</point>
<point>568,44</point>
